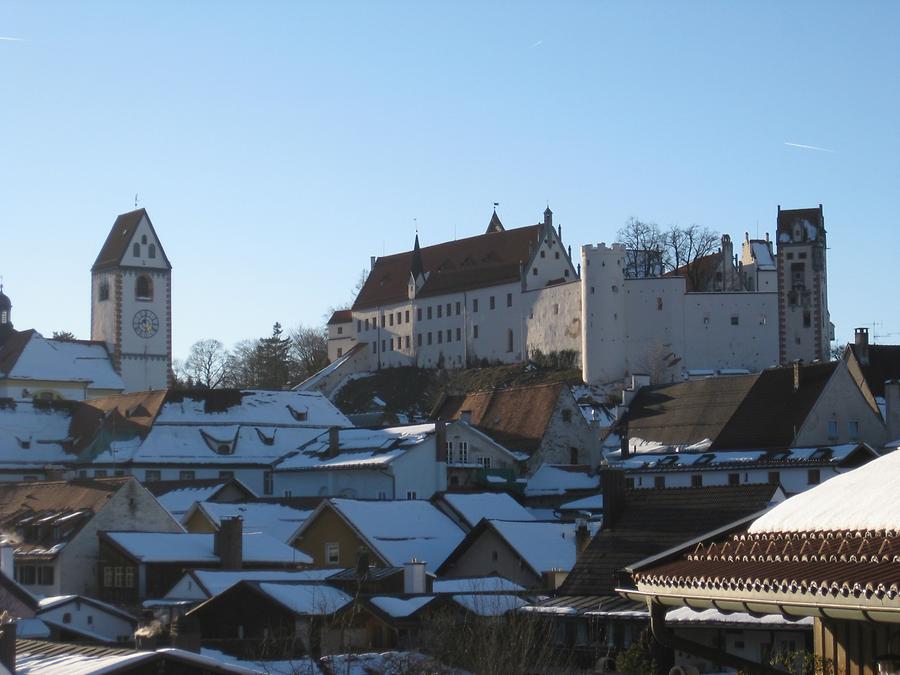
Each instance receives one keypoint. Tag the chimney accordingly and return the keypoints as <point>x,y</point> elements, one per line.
<point>334,441</point>
<point>553,579</point>
<point>559,232</point>
<point>796,370</point>
<point>186,634</point>
<point>414,577</point>
<point>228,543</point>
<point>372,260</point>
<point>8,560</point>
<point>892,408</point>
<point>613,483</point>
<point>623,440</point>
<point>8,646</point>
<point>582,535</point>
<point>861,341</point>
<point>440,440</point>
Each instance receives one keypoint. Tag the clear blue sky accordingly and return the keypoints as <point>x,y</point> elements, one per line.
<point>277,146</point>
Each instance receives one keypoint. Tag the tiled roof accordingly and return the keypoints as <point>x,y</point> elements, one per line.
<point>485,260</point>
<point>13,347</point>
<point>883,365</point>
<point>341,316</point>
<point>826,564</point>
<point>516,418</point>
<point>654,520</point>
<point>120,236</point>
<point>787,218</point>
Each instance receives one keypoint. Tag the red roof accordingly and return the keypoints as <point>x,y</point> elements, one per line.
<point>341,316</point>
<point>120,236</point>
<point>485,260</point>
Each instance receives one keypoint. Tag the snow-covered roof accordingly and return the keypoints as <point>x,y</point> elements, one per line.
<point>46,604</point>
<point>306,599</point>
<point>762,255</point>
<point>543,546</point>
<point>400,608</point>
<point>33,434</point>
<point>657,461</point>
<point>489,605</point>
<point>302,665</point>
<point>34,629</point>
<point>66,361</point>
<point>687,616</point>
<point>275,520</point>
<point>357,448</point>
<point>591,503</point>
<point>867,498</point>
<point>258,408</point>
<point>218,581</point>
<point>550,480</point>
<point>179,501</point>
<point>492,584</point>
<point>399,531</point>
<point>491,505</point>
<point>162,547</point>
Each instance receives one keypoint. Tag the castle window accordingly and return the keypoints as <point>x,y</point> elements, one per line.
<point>458,308</point>
<point>565,273</point>
<point>104,290</point>
<point>449,307</point>
<point>136,250</point>
<point>440,309</point>
<point>407,341</point>
<point>735,320</point>
<point>557,255</point>
<point>474,304</point>
<point>807,318</point>
<point>429,312</point>
<point>143,238</point>
<point>509,299</point>
<point>151,252</point>
<point>534,271</point>
<point>429,337</point>
<point>509,339</point>
<point>340,330</point>
<point>143,288</point>
<point>186,475</point>
<point>543,254</point>
<point>458,334</point>
<point>475,331</point>
<point>392,318</point>
<point>659,304</point>
<point>406,315</point>
<point>418,314</point>
<point>493,304</point>
<point>419,339</point>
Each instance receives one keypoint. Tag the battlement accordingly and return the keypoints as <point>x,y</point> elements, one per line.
<point>602,248</point>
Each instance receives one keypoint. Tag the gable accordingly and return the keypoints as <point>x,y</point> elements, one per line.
<point>132,229</point>
<point>327,526</point>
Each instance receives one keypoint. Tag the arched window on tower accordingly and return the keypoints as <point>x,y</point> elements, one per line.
<point>104,290</point>
<point>143,288</point>
<point>151,252</point>
<point>136,250</point>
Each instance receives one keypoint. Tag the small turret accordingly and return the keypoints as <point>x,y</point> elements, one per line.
<point>548,217</point>
<point>495,225</point>
<point>6,327</point>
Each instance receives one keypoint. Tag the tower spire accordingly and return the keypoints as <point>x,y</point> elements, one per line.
<point>416,268</point>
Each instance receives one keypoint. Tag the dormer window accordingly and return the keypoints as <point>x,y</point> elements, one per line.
<point>143,288</point>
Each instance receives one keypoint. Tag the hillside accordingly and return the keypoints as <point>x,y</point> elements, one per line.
<point>411,393</point>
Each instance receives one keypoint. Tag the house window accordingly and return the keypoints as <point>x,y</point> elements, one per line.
<point>735,320</point>
<point>366,324</point>
<point>391,316</point>
<point>25,574</point>
<point>151,475</point>
<point>440,335</point>
<point>332,553</point>
<point>567,415</point>
<point>440,309</point>
<point>374,347</point>
<point>118,576</point>
<point>509,340</point>
<point>659,481</point>
<point>485,462</point>
<point>340,351</point>
<point>429,337</point>
<point>104,290</point>
<point>136,250</point>
<point>464,452</point>
<point>185,475</point>
<point>419,339</point>
<point>67,616</point>
<point>543,254</point>
<point>100,473</point>
<point>475,331</point>
<point>509,299</point>
<point>458,308</point>
<point>151,252</point>
<point>359,325</point>
<point>734,479</point>
<point>474,304</point>
<point>449,307</point>
<point>429,312</point>
<point>108,577</point>
<point>226,474</point>
<point>383,346</point>
<point>406,316</point>
<point>556,309</point>
<point>267,482</point>
<point>143,288</point>
<point>418,313</point>
<point>853,430</point>
<point>406,340</point>
<point>450,334</point>
<point>458,334</point>
<point>534,271</point>
<point>45,575</point>
<point>556,255</point>
<point>492,303</point>
<point>832,429</point>
<point>410,494</point>
<point>775,477</point>
<point>382,495</point>
<point>449,452</point>
<point>399,316</point>
<point>812,477</point>
<point>287,493</point>
<point>697,480</point>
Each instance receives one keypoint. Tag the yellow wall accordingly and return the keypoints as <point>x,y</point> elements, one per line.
<point>329,527</point>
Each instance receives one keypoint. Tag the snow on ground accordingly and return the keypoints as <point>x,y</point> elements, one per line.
<point>867,498</point>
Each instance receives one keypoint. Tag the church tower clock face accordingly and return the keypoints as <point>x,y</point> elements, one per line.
<point>145,324</point>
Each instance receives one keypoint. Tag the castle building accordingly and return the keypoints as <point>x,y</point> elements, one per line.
<point>505,295</point>
<point>131,303</point>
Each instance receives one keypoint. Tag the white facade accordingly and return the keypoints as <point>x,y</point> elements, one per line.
<point>131,303</point>
<point>87,616</point>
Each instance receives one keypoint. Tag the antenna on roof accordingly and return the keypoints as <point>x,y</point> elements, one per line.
<point>416,225</point>
<point>135,199</point>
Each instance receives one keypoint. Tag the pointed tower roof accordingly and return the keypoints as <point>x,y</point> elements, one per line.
<point>495,225</point>
<point>547,211</point>
<point>5,302</point>
<point>416,268</point>
<point>119,238</point>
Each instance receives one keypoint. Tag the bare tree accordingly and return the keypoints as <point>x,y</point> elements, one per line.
<point>207,364</point>
<point>243,365</point>
<point>686,247</point>
<point>309,349</point>
<point>645,248</point>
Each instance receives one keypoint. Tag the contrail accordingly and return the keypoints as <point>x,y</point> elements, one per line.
<point>11,39</point>
<point>808,147</point>
<point>537,44</point>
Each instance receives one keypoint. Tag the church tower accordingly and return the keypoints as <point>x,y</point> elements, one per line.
<point>804,325</point>
<point>6,326</point>
<point>131,303</point>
